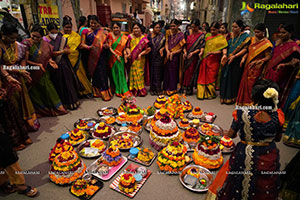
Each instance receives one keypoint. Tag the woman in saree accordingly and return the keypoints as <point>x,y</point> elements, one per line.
<point>214,52</point>
<point>63,78</point>
<point>41,90</point>
<point>10,180</point>
<point>73,42</point>
<point>94,39</point>
<point>224,31</point>
<point>117,42</point>
<point>258,54</point>
<point>82,23</point>
<point>174,45</point>
<point>292,118</point>
<point>156,58</point>
<point>137,49</point>
<point>282,68</point>
<point>250,172</point>
<point>13,54</point>
<point>231,73</point>
<point>194,43</point>
<point>11,87</point>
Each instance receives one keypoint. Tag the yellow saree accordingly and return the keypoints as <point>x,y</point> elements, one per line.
<point>73,42</point>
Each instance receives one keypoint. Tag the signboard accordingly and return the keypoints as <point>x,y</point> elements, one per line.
<point>48,14</point>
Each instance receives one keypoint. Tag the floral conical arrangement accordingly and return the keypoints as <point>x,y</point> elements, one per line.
<point>60,146</point>
<point>172,158</point>
<point>66,168</point>
<point>207,153</point>
<point>163,131</point>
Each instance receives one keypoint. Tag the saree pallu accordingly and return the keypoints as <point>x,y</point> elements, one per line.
<point>97,64</point>
<point>231,74</point>
<point>136,74</point>
<point>75,59</point>
<point>193,42</point>
<point>156,61</point>
<point>171,72</point>
<point>21,99</point>
<point>117,67</point>
<point>42,92</point>
<point>209,67</point>
<point>283,54</point>
<point>64,79</point>
<point>256,51</point>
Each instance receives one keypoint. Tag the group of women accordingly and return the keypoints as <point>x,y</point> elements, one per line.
<point>96,62</point>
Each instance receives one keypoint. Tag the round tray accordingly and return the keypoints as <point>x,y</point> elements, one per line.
<point>82,145</point>
<point>215,127</point>
<point>137,140</point>
<point>204,173</point>
<point>88,120</point>
<point>93,130</point>
<point>101,112</point>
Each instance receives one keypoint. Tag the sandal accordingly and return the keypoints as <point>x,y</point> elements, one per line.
<point>29,191</point>
<point>28,141</point>
<point>7,188</point>
<point>20,147</point>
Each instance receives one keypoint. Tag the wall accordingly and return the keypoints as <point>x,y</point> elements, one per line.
<point>87,7</point>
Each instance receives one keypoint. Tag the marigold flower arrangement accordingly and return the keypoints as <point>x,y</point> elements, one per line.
<point>98,144</point>
<point>127,183</point>
<point>60,146</point>
<point>81,187</point>
<point>77,136</point>
<point>66,168</point>
<point>174,106</point>
<point>207,153</point>
<point>172,158</point>
<point>145,155</point>
<point>112,156</point>
<point>191,135</point>
<point>82,124</point>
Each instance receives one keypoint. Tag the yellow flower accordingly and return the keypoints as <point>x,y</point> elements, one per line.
<point>270,93</point>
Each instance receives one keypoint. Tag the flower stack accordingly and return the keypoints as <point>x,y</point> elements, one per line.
<point>172,158</point>
<point>66,168</point>
<point>60,146</point>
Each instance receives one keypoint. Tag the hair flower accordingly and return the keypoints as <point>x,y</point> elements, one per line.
<point>270,93</point>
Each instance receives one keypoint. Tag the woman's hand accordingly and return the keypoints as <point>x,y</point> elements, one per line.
<point>171,56</point>
<point>14,82</point>
<point>242,61</point>
<point>231,58</point>
<point>26,75</point>
<point>184,55</point>
<point>118,58</point>
<point>168,55</point>
<point>66,50</point>
<point>2,93</point>
<point>53,64</point>
<point>200,54</point>
<point>223,60</point>
<point>140,56</point>
<point>190,55</point>
<point>280,66</point>
<point>161,52</point>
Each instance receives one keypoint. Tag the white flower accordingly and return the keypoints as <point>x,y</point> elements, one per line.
<point>270,93</point>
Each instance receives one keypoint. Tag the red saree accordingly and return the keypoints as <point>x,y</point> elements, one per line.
<point>256,51</point>
<point>285,76</point>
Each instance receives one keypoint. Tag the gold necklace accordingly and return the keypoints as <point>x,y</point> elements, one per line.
<point>11,59</point>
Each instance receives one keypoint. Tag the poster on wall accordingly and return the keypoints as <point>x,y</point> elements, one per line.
<point>48,14</point>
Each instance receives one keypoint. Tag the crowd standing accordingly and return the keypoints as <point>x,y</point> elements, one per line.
<point>100,62</point>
